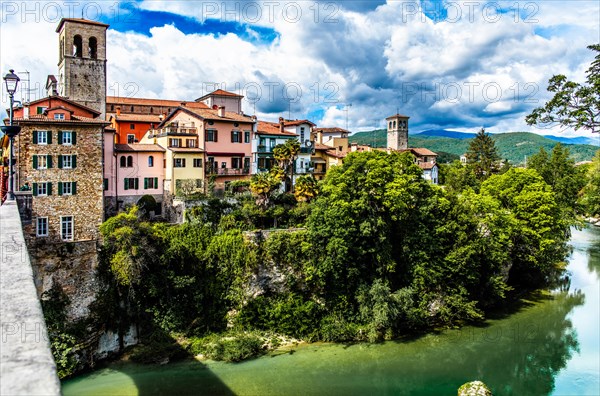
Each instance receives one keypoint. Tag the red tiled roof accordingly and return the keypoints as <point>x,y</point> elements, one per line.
<point>79,20</point>
<point>117,100</point>
<point>58,108</point>
<point>220,92</point>
<point>60,98</point>
<point>422,152</point>
<point>396,115</point>
<point>186,149</point>
<point>331,130</point>
<point>137,147</point>
<point>427,165</point>
<point>321,146</point>
<point>272,128</point>
<point>210,114</point>
<point>38,118</point>
<point>297,122</point>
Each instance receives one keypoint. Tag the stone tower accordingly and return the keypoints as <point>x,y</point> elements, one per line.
<point>82,62</point>
<point>397,132</point>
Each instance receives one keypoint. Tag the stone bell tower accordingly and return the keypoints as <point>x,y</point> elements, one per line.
<point>82,62</point>
<point>397,132</point>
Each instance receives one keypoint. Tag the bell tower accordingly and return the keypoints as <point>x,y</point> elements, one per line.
<point>397,132</point>
<point>82,62</point>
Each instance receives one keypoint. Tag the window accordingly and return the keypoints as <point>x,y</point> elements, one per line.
<point>272,143</point>
<point>179,163</point>
<point>394,124</point>
<point>247,163</point>
<point>130,138</point>
<point>236,163</point>
<point>390,127</point>
<point>150,182</point>
<point>67,161</point>
<point>59,116</point>
<point>246,136</point>
<point>151,110</point>
<point>197,162</point>
<point>236,137</point>
<point>132,109</point>
<point>131,183</point>
<point>42,137</point>
<point>211,135</point>
<point>42,189</point>
<point>174,142</point>
<point>40,109</point>
<point>67,188</point>
<point>129,161</point>
<point>105,184</point>
<point>42,161</point>
<point>150,161</point>
<point>41,228</point>
<point>262,141</point>
<point>66,228</point>
<point>190,143</point>
<point>223,165</point>
<point>77,46</point>
<point>123,162</point>
<point>132,126</point>
<point>93,47</point>
<point>66,137</point>
<point>301,135</point>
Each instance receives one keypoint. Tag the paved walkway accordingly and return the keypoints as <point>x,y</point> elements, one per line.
<point>26,363</point>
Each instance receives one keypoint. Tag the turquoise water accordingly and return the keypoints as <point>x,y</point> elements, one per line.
<point>548,346</point>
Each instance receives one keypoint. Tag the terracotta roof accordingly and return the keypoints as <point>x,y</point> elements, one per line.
<point>210,114</point>
<point>117,100</point>
<point>334,153</point>
<point>422,152</point>
<point>58,108</point>
<point>427,165</point>
<point>186,149</point>
<point>137,147</point>
<point>78,20</point>
<point>220,92</point>
<point>138,117</point>
<point>318,160</point>
<point>331,130</point>
<point>59,98</point>
<point>321,146</point>
<point>397,115</point>
<point>297,122</point>
<point>272,128</point>
<point>38,118</point>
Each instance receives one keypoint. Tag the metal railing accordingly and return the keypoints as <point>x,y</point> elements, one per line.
<point>227,171</point>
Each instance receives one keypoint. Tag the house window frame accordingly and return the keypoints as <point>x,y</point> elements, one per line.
<point>179,163</point>
<point>67,161</point>
<point>130,138</point>
<point>67,138</point>
<point>67,188</point>
<point>59,116</point>
<point>44,227</point>
<point>42,137</point>
<point>197,162</point>
<point>42,189</point>
<point>67,226</point>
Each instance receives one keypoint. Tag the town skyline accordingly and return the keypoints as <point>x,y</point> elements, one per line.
<point>452,66</point>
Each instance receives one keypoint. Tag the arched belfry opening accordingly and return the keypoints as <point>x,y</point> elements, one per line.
<point>77,46</point>
<point>93,48</point>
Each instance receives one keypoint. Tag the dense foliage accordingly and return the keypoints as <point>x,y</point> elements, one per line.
<point>380,253</point>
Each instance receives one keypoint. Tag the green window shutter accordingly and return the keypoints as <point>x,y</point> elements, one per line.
<point>156,182</point>
<point>126,184</point>
<point>35,189</point>
<point>35,162</point>
<point>183,162</point>
<point>231,136</point>
<point>49,161</point>
<point>105,184</point>
<point>73,188</point>
<point>49,135</point>
<point>216,135</point>
<point>136,183</point>
<point>35,141</point>
<point>73,138</point>
<point>60,164</point>
<point>60,188</point>
<point>73,161</point>
<point>60,137</point>
<point>49,188</point>
<point>145,183</point>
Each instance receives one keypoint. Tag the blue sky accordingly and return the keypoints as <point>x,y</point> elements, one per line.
<point>446,64</point>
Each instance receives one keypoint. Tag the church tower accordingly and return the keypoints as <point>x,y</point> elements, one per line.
<point>397,132</point>
<point>82,62</point>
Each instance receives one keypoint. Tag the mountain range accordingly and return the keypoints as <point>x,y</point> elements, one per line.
<point>513,146</point>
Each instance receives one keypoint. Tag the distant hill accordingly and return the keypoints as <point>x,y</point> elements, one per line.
<point>514,146</point>
<point>466,135</point>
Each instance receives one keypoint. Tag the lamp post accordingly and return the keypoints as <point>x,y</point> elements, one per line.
<point>11,80</point>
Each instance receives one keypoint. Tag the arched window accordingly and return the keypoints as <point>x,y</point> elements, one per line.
<point>394,124</point>
<point>62,48</point>
<point>93,48</point>
<point>131,108</point>
<point>123,162</point>
<point>150,161</point>
<point>129,161</point>
<point>151,110</point>
<point>77,46</point>
<point>390,124</point>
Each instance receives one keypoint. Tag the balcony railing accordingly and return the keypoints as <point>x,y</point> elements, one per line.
<point>23,199</point>
<point>265,149</point>
<point>227,171</point>
<point>174,130</point>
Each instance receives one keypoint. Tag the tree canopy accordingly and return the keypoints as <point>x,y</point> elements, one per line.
<point>483,155</point>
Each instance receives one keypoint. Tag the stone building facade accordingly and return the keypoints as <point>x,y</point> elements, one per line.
<point>397,132</point>
<point>82,62</point>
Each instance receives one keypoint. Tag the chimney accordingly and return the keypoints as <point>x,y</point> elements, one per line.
<point>26,111</point>
<point>280,124</point>
<point>118,110</point>
<point>320,137</point>
<point>221,111</point>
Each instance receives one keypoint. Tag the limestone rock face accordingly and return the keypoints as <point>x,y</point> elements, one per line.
<point>474,388</point>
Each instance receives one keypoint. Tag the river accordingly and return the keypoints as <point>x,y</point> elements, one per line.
<point>549,345</point>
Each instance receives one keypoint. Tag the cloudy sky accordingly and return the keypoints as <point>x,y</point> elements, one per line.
<point>446,64</point>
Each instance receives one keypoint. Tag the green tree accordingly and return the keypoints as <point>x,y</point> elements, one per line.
<point>482,155</point>
<point>306,188</point>
<point>286,155</point>
<point>458,177</point>
<point>264,185</point>
<point>573,105</point>
<point>590,194</point>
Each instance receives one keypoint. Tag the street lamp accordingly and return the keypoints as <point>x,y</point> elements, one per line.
<point>11,80</point>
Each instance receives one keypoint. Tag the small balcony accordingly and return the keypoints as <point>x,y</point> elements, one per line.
<point>265,149</point>
<point>177,130</point>
<point>227,171</point>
